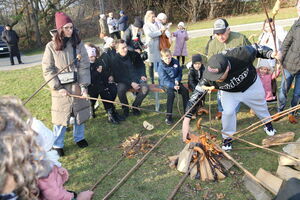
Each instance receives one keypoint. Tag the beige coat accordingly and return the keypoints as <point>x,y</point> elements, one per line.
<point>63,106</point>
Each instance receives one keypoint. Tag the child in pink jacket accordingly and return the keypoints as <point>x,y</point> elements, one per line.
<point>266,76</point>
<point>53,176</point>
<point>180,49</point>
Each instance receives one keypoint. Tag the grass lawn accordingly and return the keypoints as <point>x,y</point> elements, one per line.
<point>284,13</point>
<point>154,179</point>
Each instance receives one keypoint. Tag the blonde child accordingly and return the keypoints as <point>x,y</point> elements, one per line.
<point>170,75</point>
<point>181,36</point>
<point>19,153</point>
<point>266,76</point>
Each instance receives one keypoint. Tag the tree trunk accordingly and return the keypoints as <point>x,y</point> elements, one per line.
<point>212,12</point>
<point>101,6</point>
<point>35,22</point>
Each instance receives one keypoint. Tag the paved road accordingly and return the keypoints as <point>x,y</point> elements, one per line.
<point>34,60</point>
<point>29,61</point>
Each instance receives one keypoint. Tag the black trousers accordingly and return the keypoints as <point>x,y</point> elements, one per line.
<point>108,93</point>
<point>14,51</point>
<point>171,92</point>
<point>140,96</point>
<point>183,59</point>
<point>115,35</point>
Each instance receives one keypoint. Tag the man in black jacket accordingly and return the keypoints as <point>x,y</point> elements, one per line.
<point>233,73</point>
<point>12,39</point>
<point>128,70</point>
<point>291,64</point>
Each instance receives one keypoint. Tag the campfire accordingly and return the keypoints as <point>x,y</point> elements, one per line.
<point>207,160</point>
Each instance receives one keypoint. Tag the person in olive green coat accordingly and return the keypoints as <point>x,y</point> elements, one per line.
<point>59,53</point>
<point>224,39</point>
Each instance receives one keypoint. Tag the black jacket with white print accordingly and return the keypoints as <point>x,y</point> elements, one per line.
<point>242,73</point>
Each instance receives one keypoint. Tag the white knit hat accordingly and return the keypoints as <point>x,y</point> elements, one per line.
<point>265,63</point>
<point>91,51</point>
<point>108,42</point>
<point>161,16</point>
<point>181,24</point>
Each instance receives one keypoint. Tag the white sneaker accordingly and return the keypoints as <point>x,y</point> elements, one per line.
<point>227,144</point>
<point>270,131</point>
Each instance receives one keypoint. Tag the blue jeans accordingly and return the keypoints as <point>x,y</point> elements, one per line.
<point>285,87</point>
<point>59,134</point>
<point>220,107</point>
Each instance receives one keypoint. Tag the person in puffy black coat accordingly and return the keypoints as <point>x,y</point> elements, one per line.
<point>195,76</point>
<point>102,83</point>
<point>11,38</point>
<point>291,64</point>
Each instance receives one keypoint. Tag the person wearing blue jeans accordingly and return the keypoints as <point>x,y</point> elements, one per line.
<point>284,89</point>
<point>291,63</point>
<point>59,134</point>
<point>66,49</point>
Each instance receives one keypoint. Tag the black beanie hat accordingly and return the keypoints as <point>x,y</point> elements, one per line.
<point>138,22</point>
<point>196,58</point>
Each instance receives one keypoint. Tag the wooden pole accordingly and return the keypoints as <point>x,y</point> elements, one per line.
<point>143,159</point>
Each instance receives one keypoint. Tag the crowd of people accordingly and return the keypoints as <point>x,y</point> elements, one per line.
<point>30,168</point>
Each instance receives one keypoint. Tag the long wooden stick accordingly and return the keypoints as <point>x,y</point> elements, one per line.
<point>43,85</point>
<point>266,120</point>
<point>275,144</point>
<point>143,159</point>
<point>119,103</point>
<point>178,186</point>
<point>280,114</point>
<point>253,144</point>
<point>116,163</point>
<point>249,174</point>
<point>273,31</point>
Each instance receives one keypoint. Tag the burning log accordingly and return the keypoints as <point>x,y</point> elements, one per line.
<point>202,153</point>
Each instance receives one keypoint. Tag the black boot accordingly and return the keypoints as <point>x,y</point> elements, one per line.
<point>111,118</point>
<point>126,112</point>
<point>117,116</point>
<point>136,112</point>
<point>169,120</point>
<point>93,115</point>
<point>60,151</point>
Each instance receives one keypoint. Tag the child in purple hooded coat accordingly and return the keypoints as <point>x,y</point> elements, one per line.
<point>181,36</point>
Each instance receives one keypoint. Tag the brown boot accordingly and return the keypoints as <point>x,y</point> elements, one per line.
<point>292,119</point>
<point>218,115</point>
